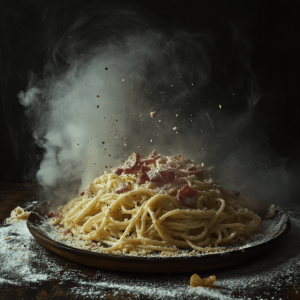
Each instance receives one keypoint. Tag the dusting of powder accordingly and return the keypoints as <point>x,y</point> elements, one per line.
<point>23,260</point>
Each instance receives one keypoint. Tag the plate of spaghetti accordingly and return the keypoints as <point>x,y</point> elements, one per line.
<point>158,214</point>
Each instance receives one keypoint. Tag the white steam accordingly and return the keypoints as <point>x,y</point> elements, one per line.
<point>83,134</point>
<point>83,115</point>
<point>94,115</point>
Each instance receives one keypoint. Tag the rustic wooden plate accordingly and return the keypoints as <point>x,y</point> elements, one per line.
<point>278,227</point>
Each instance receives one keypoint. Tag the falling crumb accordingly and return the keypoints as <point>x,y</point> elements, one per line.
<point>220,106</point>
<point>175,128</point>
<point>106,68</point>
<point>97,106</point>
<point>152,114</point>
<point>159,121</point>
<point>177,132</point>
<point>123,79</point>
<point>151,141</point>
<point>125,145</point>
<point>176,115</point>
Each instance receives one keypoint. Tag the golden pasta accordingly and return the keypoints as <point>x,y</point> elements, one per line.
<point>196,281</point>
<point>18,214</point>
<point>157,204</point>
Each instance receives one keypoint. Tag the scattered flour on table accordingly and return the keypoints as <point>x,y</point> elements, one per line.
<point>23,261</point>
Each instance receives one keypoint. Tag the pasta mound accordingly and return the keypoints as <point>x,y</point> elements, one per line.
<point>157,204</point>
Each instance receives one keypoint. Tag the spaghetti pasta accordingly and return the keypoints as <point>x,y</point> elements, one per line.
<point>157,204</point>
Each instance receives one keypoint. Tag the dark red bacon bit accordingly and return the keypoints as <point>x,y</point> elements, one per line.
<point>168,175</point>
<point>185,194</point>
<point>191,168</point>
<point>162,176</point>
<point>67,231</point>
<point>134,165</point>
<point>121,189</point>
<point>135,157</point>
<point>82,193</point>
<point>151,159</point>
<point>145,169</point>
<point>148,161</point>
<point>118,171</point>
<point>188,192</point>
<point>143,178</point>
<point>55,215</point>
<point>197,173</point>
<point>129,171</point>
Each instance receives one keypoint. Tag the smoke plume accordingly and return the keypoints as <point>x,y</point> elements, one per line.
<point>90,109</point>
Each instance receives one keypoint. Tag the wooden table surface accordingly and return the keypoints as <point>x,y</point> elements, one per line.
<point>17,194</point>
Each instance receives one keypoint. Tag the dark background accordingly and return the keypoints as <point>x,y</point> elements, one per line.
<point>270,27</point>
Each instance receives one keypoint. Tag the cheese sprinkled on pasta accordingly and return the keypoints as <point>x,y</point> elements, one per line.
<point>157,204</point>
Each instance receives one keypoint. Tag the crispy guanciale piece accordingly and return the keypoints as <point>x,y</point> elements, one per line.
<point>152,114</point>
<point>123,189</point>
<point>162,176</point>
<point>186,196</point>
<point>143,178</point>
<point>206,282</point>
<point>55,215</point>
